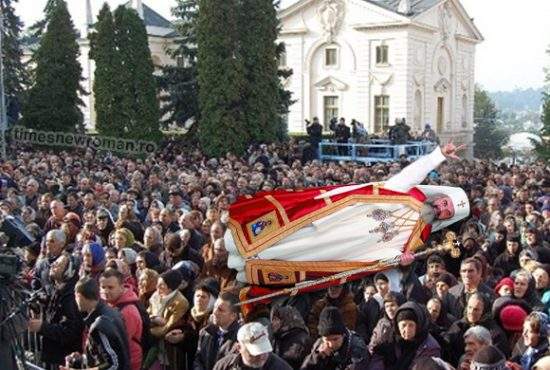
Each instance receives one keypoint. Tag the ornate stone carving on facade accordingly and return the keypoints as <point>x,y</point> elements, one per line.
<point>331,15</point>
<point>331,84</point>
<point>381,77</point>
<point>419,78</point>
<point>445,21</point>
<point>442,86</point>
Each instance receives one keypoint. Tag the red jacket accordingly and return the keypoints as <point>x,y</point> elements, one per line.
<point>134,326</point>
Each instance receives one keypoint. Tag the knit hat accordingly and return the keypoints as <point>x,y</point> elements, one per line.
<point>331,322</point>
<point>209,285</point>
<point>172,278</point>
<point>512,318</point>
<point>504,282</point>
<point>445,278</point>
<point>406,314</point>
<point>74,219</point>
<point>130,255</point>
<point>488,358</point>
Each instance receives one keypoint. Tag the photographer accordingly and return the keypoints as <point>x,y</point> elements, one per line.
<point>62,325</point>
<point>315,132</point>
<point>342,134</point>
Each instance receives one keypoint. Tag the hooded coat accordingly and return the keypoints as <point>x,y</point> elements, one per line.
<point>400,354</point>
<point>345,304</point>
<point>291,341</point>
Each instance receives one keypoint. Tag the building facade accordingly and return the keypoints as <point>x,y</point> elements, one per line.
<point>382,60</point>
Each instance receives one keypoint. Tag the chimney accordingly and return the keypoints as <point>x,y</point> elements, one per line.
<point>404,7</point>
<point>139,8</point>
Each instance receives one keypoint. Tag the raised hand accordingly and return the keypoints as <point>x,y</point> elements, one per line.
<point>450,150</point>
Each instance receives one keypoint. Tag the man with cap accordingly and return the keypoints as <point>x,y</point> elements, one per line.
<point>255,351</point>
<point>337,347</point>
<point>282,238</point>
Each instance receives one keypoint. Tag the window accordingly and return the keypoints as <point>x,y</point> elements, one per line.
<point>382,54</point>
<point>282,60</point>
<point>330,104</point>
<point>331,57</point>
<point>381,113</point>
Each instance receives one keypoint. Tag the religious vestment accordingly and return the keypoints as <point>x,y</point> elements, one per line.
<point>284,237</point>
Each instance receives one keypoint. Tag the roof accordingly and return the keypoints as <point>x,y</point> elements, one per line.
<point>152,18</point>
<point>417,6</point>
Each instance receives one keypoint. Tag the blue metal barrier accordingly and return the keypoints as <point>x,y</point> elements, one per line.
<point>375,151</point>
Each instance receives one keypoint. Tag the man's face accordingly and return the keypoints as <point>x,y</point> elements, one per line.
<point>470,275</point>
<point>201,299</point>
<point>391,309</point>
<point>541,278</point>
<point>512,247</point>
<point>88,201</point>
<point>53,247</point>
<point>434,309</point>
<point>474,310</point>
<point>222,315</point>
<point>165,217</point>
<point>521,284</point>
<point>435,269</point>
<point>369,292</point>
<point>334,342</point>
<point>443,208</point>
<point>335,291</point>
<point>82,303</point>
<point>441,288</point>
<point>382,287</point>
<point>471,346</point>
<point>407,329</point>
<point>256,362</point>
<point>110,289</point>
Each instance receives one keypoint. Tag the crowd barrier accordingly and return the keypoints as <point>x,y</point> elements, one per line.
<point>374,151</point>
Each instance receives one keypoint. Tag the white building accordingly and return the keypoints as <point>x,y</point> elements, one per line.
<point>378,60</point>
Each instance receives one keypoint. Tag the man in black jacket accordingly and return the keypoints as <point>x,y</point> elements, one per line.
<point>61,328</point>
<point>219,338</point>
<point>255,351</point>
<point>315,132</point>
<point>338,347</point>
<point>106,344</point>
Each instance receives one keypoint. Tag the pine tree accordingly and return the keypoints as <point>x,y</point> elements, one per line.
<point>16,77</point>
<point>106,75</point>
<point>258,35</point>
<point>488,136</point>
<point>54,102</point>
<point>178,83</point>
<point>139,107</point>
<point>39,27</point>
<point>221,79</point>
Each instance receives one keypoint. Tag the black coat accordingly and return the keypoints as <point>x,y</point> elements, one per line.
<point>292,345</point>
<point>62,328</point>
<point>208,350</point>
<point>234,362</point>
<point>368,314</point>
<point>458,292</point>
<point>352,355</point>
<point>315,132</point>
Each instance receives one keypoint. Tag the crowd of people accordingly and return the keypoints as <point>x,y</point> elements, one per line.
<point>130,268</point>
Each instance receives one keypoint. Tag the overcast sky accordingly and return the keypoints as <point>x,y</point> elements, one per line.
<point>513,54</point>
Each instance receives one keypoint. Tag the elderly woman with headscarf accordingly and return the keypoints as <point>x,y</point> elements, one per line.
<point>104,224</point>
<point>534,343</point>
<point>411,341</point>
<point>291,340</point>
<point>71,226</point>
<point>524,288</point>
<point>93,261</point>
<point>62,325</point>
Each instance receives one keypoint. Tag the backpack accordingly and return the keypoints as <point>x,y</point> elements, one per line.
<point>147,341</point>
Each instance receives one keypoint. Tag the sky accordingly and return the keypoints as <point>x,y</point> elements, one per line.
<point>512,56</point>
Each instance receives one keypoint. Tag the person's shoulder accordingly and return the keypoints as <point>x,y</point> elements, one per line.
<point>276,363</point>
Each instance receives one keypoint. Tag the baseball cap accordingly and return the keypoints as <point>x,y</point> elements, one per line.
<point>255,338</point>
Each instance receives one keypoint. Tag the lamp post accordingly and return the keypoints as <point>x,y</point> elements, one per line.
<point>3,116</point>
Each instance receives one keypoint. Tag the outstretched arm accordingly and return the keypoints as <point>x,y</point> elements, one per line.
<point>417,171</point>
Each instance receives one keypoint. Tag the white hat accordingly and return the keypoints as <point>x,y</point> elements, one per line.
<point>255,338</point>
<point>458,197</point>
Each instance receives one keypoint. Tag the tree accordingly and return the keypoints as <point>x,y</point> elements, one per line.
<point>221,79</point>
<point>488,136</point>
<point>542,148</point>
<point>54,102</point>
<point>107,81</point>
<point>178,84</point>
<point>39,27</point>
<point>258,35</point>
<point>139,107</point>
<point>16,77</point>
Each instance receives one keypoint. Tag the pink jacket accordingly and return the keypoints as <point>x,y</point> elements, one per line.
<point>134,326</point>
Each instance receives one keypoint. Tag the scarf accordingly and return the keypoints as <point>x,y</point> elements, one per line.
<point>158,304</point>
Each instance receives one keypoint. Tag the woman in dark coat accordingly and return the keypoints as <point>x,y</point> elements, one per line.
<point>384,330</point>
<point>534,344</point>
<point>291,340</point>
<point>411,341</point>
